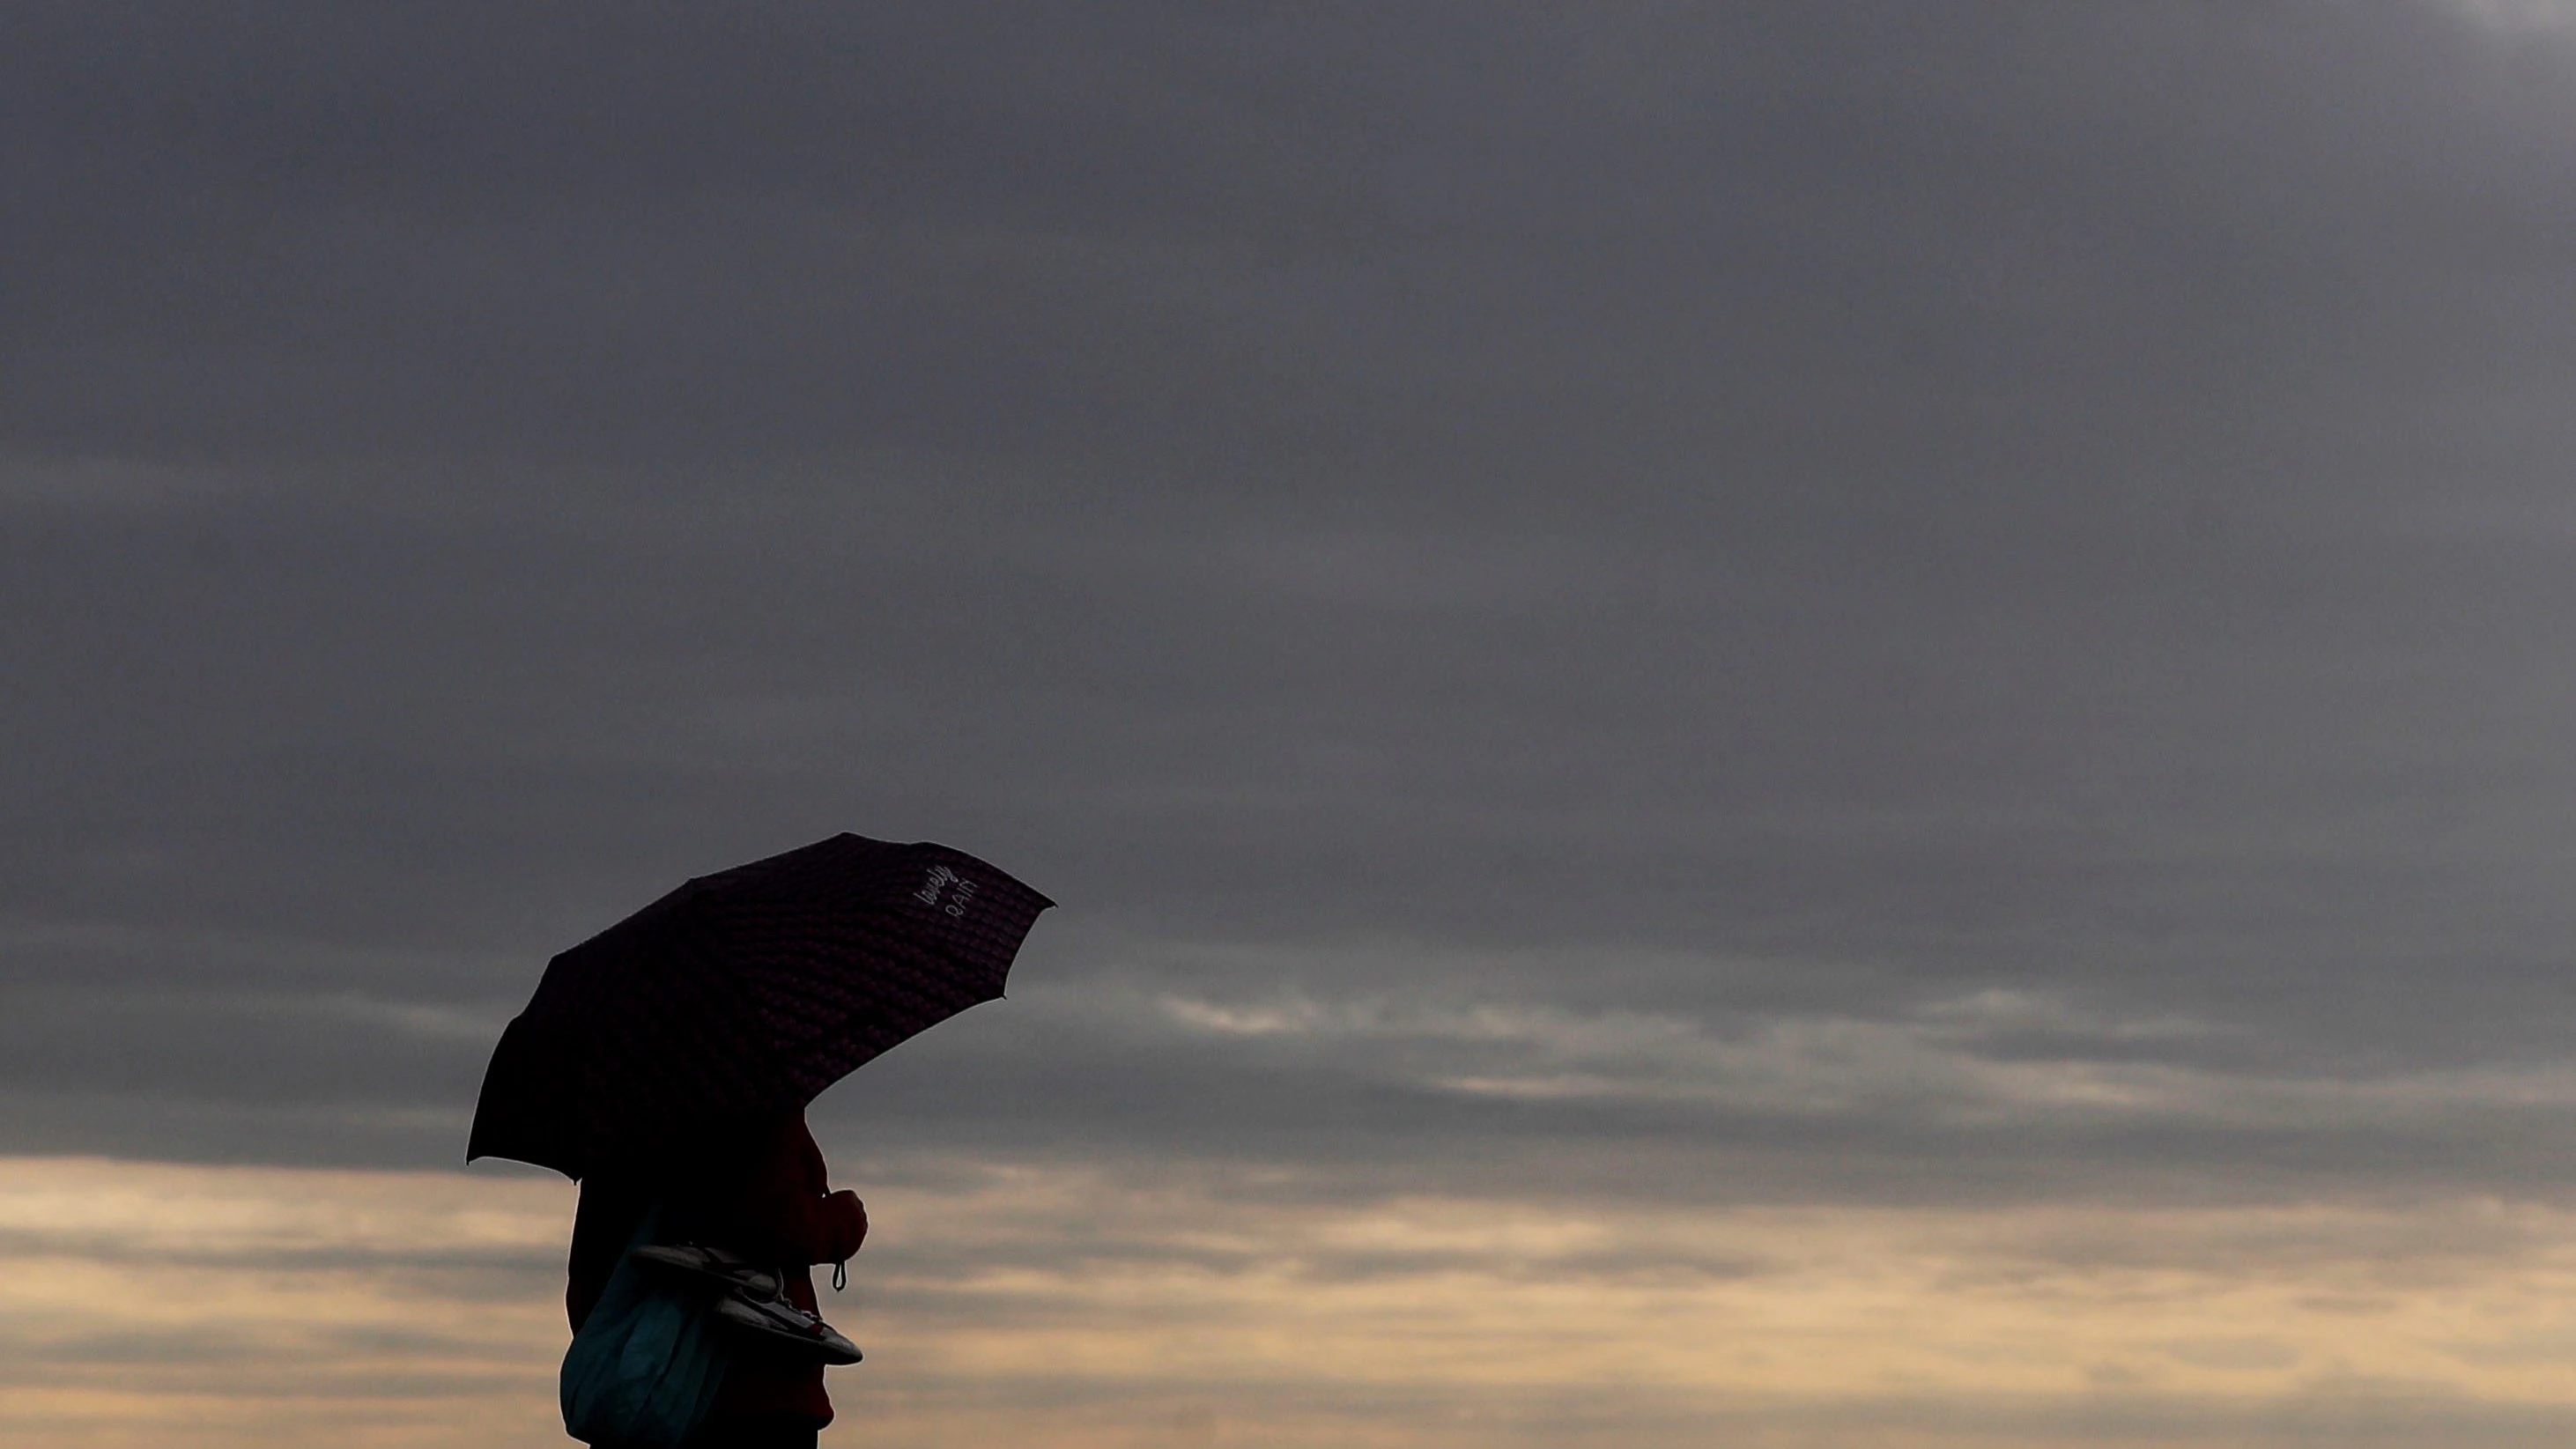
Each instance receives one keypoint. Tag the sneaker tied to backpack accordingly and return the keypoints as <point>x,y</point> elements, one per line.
<point>781,1324</point>
<point>714,1266</point>
<point>752,1300</point>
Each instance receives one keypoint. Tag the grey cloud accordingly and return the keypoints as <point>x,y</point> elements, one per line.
<point>1063,235</point>
<point>1730,517</point>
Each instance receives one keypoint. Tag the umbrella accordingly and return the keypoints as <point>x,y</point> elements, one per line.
<point>744,994</point>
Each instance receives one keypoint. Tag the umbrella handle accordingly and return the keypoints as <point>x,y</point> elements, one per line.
<point>840,1275</point>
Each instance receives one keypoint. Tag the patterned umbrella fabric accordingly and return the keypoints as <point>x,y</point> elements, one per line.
<point>745,993</point>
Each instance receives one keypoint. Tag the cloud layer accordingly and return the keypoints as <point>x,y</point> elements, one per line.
<point>282,1307</point>
<point>1607,614</point>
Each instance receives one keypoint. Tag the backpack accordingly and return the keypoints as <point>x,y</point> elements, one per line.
<point>645,1367</point>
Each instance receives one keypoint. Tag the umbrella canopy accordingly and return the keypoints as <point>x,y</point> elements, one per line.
<point>744,994</point>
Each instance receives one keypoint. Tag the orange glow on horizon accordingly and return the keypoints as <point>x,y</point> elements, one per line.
<point>186,1306</point>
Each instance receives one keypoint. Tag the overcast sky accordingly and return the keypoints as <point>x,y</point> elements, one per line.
<point>1841,605</point>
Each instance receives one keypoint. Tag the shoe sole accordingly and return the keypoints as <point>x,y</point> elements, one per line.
<point>752,1321</point>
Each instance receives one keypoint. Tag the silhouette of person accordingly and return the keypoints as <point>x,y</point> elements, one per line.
<point>762,1192</point>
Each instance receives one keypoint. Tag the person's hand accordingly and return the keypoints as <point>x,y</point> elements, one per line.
<point>848,1219</point>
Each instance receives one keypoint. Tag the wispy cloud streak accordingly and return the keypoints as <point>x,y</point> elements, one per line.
<point>212,1307</point>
